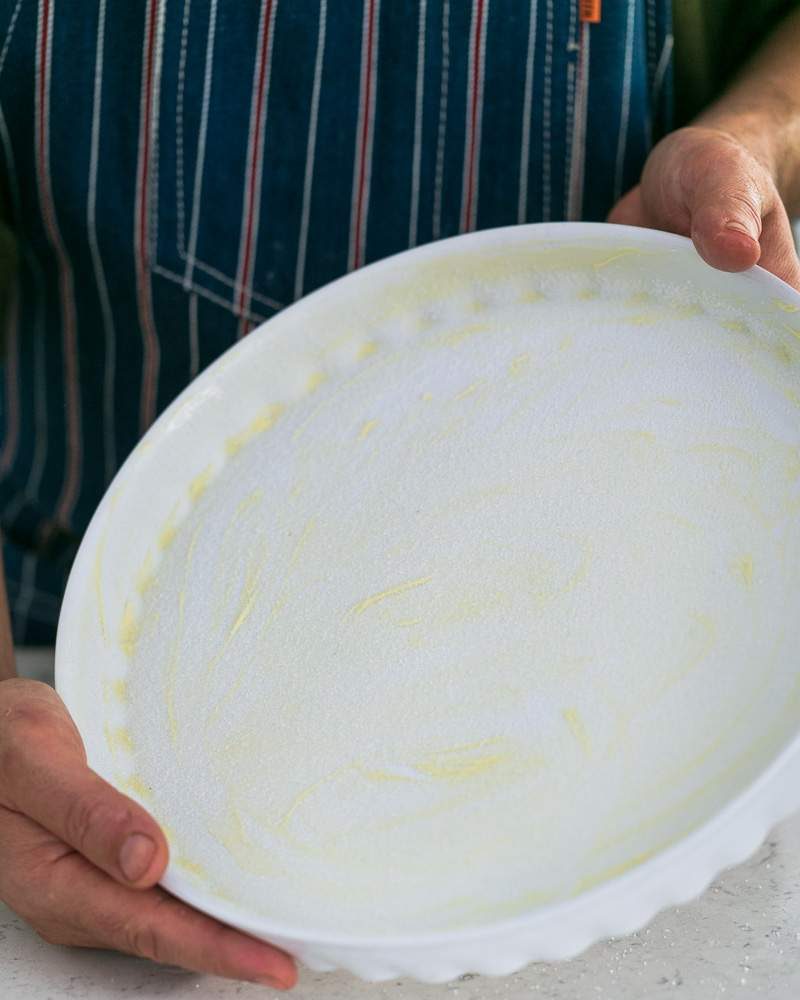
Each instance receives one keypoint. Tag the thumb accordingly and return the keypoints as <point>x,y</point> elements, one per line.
<point>726,220</point>
<point>44,775</point>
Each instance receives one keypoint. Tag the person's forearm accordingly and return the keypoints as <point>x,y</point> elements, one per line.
<point>761,108</point>
<point>7,668</point>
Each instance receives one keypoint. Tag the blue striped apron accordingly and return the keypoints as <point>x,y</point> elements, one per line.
<point>179,170</point>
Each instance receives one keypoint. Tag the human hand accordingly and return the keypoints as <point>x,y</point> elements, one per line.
<point>80,862</point>
<point>704,183</point>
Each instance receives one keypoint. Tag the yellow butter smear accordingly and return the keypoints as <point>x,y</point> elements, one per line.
<point>367,428</point>
<point>167,534</point>
<point>265,420</point>
<point>614,871</point>
<point>401,588</point>
<point>116,690</point>
<point>461,762</point>
<point>249,593</point>
<point>145,575</point>
<point>193,867</point>
<point>744,570</point>
<point>200,483</point>
<point>97,582</point>
<point>118,738</point>
<point>577,727</point>
<point>315,380</point>
<point>128,630</point>
<point>133,783</point>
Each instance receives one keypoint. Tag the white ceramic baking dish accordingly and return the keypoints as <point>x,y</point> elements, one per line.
<point>655,413</point>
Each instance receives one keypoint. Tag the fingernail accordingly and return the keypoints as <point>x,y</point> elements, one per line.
<point>736,226</point>
<point>136,856</point>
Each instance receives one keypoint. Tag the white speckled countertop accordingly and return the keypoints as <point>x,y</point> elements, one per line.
<point>740,940</point>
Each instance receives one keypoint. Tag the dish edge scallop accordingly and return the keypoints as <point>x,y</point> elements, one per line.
<point>511,956</point>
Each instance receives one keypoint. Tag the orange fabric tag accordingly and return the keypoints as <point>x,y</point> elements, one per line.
<point>590,11</point>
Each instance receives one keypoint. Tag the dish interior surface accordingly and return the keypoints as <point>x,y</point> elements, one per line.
<point>475,602</point>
